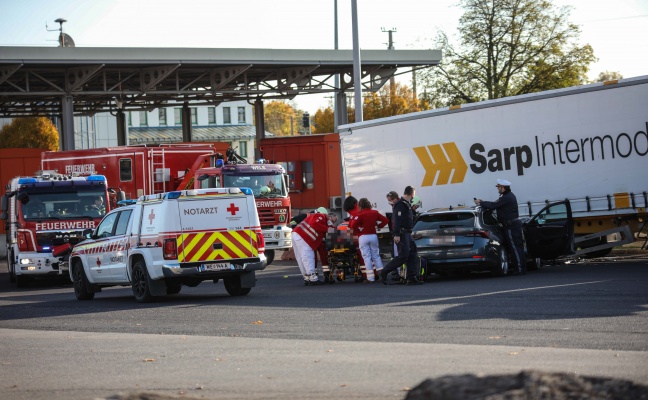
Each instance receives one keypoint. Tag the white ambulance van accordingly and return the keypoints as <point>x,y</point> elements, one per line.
<point>167,240</point>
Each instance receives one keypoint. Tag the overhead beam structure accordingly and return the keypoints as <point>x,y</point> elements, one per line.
<point>52,81</point>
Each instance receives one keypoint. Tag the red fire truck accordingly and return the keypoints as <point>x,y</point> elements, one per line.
<point>269,184</point>
<point>134,171</point>
<point>45,211</point>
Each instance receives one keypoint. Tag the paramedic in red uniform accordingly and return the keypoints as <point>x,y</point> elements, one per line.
<point>364,226</point>
<point>307,237</point>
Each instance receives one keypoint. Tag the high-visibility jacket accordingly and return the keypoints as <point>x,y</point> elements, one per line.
<point>366,221</point>
<point>313,229</point>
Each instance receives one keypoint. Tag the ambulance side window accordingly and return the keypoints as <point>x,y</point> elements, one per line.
<point>122,222</point>
<point>105,228</point>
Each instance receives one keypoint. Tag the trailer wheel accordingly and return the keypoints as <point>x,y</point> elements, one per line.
<point>81,285</point>
<point>141,288</point>
<point>270,255</point>
<point>233,286</point>
<point>503,267</point>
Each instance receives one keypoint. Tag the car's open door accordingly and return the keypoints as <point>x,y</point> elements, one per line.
<point>550,233</point>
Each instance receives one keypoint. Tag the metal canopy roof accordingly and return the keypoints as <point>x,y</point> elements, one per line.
<point>35,80</point>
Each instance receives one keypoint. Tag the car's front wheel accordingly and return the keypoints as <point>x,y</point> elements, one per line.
<point>82,289</point>
<point>141,288</point>
<point>503,265</point>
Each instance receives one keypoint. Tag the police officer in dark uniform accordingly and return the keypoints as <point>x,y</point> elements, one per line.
<point>405,248</point>
<point>508,218</point>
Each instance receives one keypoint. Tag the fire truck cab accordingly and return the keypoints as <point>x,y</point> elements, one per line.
<point>44,211</point>
<point>269,185</point>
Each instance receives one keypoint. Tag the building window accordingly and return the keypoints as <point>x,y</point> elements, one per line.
<point>211,115</point>
<point>130,118</point>
<point>194,116</point>
<point>227,116</point>
<point>242,149</point>
<point>241,115</point>
<point>177,116</point>
<point>143,116</point>
<point>162,116</point>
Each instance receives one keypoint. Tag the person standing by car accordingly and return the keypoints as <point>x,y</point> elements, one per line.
<point>307,237</point>
<point>508,218</point>
<point>405,248</point>
<point>364,225</point>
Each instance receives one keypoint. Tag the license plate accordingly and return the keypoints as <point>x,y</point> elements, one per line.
<point>215,267</point>
<point>442,240</point>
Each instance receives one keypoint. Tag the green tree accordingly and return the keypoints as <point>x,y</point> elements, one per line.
<point>390,101</point>
<point>30,132</point>
<point>278,117</point>
<point>507,48</point>
<point>609,76</point>
<point>386,102</point>
<point>323,121</point>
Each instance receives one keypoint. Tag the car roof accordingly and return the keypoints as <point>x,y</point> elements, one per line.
<point>450,210</point>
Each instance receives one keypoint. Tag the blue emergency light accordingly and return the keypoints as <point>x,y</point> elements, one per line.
<point>219,163</point>
<point>173,195</point>
<point>96,178</point>
<point>22,181</point>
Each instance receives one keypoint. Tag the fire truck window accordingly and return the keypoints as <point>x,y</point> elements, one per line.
<point>125,169</point>
<point>307,175</point>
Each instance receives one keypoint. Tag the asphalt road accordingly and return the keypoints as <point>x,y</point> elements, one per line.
<point>347,340</point>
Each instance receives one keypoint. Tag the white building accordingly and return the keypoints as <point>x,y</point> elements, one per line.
<point>230,122</point>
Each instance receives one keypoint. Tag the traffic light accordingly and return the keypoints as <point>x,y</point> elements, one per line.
<point>306,120</point>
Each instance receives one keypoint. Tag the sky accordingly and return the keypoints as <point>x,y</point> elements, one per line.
<point>618,30</point>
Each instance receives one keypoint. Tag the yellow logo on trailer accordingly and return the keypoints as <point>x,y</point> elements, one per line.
<point>433,158</point>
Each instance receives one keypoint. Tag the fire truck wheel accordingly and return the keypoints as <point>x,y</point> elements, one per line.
<point>270,255</point>
<point>141,288</point>
<point>233,286</point>
<point>81,285</point>
<point>10,268</point>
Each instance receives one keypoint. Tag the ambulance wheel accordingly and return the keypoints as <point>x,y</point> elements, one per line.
<point>141,288</point>
<point>270,255</point>
<point>81,285</point>
<point>173,288</point>
<point>233,286</point>
<point>503,267</point>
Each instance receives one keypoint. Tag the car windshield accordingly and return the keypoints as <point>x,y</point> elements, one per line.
<point>261,185</point>
<point>444,220</point>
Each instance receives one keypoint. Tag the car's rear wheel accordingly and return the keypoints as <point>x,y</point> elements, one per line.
<point>534,264</point>
<point>233,286</point>
<point>140,285</point>
<point>82,289</point>
<point>503,266</point>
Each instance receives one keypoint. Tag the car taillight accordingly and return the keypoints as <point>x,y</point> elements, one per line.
<point>24,242</point>
<point>260,241</point>
<point>170,249</point>
<point>484,234</point>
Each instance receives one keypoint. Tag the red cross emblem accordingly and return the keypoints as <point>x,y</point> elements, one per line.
<point>151,217</point>
<point>232,209</point>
